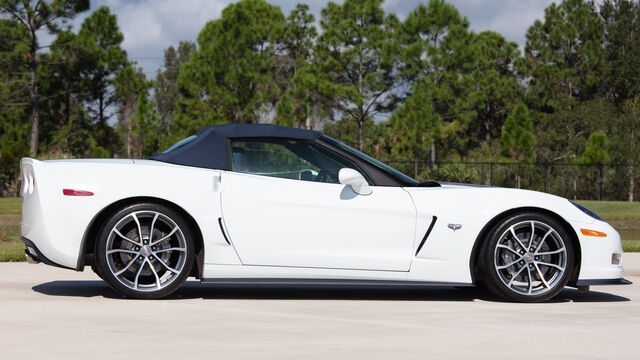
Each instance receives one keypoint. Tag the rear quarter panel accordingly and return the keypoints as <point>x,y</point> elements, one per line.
<point>192,189</point>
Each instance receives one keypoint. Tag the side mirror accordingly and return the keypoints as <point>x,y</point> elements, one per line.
<point>354,179</point>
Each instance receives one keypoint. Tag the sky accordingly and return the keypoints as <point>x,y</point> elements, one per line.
<point>150,26</point>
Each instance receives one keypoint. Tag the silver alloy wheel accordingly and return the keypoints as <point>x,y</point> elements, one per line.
<point>146,250</point>
<point>530,257</point>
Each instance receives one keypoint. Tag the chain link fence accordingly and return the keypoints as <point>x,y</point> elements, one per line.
<point>573,181</point>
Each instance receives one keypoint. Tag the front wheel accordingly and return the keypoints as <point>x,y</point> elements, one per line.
<point>527,257</point>
<point>145,251</point>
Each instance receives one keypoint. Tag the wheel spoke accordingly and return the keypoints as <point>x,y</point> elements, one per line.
<point>135,283</point>
<point>165,265</point>
<point>109,252</point>
<point>508,248</point>
<point>533,231</point>
<point>509,264</point>
<point>515,276</point>
<point>542,241</point>
<point>541,276</point>
<point>153,223</point>
<point>126,267</point>
<point>154,273</point>
<point>171,249</point>
<point>126,238</point>
<point>549,264</point>
<point>135,218</point>
<point>513,233</point>
<point>552,252</point>
<point>530,280</point>
<point>165,237</point>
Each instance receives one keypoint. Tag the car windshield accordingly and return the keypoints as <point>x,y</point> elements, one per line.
<point>380,165</point>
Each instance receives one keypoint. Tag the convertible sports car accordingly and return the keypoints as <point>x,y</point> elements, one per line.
<point>271,204</point>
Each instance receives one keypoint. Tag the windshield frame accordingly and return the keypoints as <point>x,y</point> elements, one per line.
<point>180,144</point>
<point>379,165</point>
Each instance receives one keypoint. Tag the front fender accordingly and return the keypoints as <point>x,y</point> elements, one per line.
<point>447,253</point>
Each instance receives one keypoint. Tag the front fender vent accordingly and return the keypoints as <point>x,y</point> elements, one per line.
<point>426,235</point>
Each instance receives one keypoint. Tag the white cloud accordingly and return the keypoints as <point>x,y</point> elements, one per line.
<point>149,27</point>
<point>509,18</point>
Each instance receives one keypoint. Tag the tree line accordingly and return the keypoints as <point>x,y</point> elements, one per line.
<point>423,89</point>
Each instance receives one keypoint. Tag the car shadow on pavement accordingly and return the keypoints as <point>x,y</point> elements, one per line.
<point>196,290</point>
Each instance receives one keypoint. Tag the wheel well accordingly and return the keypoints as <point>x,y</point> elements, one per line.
<point>475,252</point>
<point>90,237</point>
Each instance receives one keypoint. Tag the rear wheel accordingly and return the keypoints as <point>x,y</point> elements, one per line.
<point>527,257</point>
<point>145,251</point>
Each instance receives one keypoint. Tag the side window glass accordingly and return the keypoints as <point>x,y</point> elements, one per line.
<point>287,159</point>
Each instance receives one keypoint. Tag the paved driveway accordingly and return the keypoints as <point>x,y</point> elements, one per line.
<point>50,313</point>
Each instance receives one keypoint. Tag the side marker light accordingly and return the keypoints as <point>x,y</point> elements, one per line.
<point>588,232</point>
<point>72,192</point>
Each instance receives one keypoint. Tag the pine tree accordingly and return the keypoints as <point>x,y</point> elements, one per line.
<point>415,127</point>
<point>517,139</point>
<point>14,118</point>
<point>494,89</point>
<point>32,18</point>
<point>230,78</point>
<point>296,76</point>
<point>621,78</point>
<point>166,85</point>
<point>100,38</point>
<point>596,151</point>
<point>357,60</point>
<point>563,54</point>
<point>130,84</point>
<point>438,47</point>
<point>146,127</point>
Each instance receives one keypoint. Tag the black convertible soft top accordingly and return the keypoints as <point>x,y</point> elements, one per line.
<point>208,147</point>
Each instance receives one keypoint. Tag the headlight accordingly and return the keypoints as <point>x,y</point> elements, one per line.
<point>587,211</point>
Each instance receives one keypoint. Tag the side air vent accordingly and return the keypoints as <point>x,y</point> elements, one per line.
<point>426,235</point>
<point>224,234</point>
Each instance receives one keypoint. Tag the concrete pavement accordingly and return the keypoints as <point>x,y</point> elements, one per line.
<point>52,313</point>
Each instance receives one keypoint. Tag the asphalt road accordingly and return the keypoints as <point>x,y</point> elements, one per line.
<point>51,313</point>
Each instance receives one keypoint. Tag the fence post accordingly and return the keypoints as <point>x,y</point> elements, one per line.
<point>600,168</point>
<point>491,174</point>
<point>546,167</point>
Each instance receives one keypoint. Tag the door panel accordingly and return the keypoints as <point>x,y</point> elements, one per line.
<point>284,222</point>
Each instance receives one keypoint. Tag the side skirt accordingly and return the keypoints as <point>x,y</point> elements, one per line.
<point>324,282</point>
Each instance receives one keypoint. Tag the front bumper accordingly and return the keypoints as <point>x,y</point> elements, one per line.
<point>597,262</point>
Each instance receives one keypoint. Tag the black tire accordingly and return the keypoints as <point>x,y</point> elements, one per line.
<point>94,268</point>
<point>518,273</point>
<point>141,268</point>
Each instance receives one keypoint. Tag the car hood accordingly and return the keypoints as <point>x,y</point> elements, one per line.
<point>479,201</point>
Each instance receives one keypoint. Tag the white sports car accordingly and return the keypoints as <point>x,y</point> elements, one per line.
<point>270,204</point>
